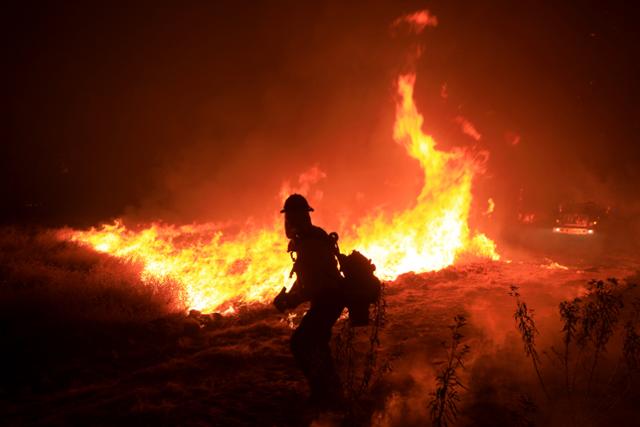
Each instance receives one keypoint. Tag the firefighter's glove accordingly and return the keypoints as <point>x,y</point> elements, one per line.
<point>281,302</point>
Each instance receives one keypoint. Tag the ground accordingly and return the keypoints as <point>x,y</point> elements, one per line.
<point>205,370</point>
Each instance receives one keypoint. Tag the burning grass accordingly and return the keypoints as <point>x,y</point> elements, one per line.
<point>218,268</point>
<point>60,302</point>
<point>139,358</point>
<point>43,276</point>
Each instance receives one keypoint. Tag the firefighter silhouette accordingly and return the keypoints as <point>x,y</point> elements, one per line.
<point>318,281</point>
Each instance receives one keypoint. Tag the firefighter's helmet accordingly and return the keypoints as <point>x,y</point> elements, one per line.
<point>296,203</point>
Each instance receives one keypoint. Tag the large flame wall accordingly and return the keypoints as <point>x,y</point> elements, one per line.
<point>218,271</point>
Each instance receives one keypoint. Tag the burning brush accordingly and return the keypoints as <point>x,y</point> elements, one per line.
<point>218,271</point>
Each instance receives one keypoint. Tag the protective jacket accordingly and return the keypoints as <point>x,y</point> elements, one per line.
<point>315,266</point>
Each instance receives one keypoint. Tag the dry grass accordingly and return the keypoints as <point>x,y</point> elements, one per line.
<point>60,303</point>
<point>86,341</point>
<point>43,277</point>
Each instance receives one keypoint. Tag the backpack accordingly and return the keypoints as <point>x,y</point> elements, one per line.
<point>361,287</point>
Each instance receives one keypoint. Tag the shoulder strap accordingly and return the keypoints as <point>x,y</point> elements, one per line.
<point>333,237</point>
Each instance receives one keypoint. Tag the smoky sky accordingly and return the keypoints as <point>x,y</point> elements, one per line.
<point>198,111</point>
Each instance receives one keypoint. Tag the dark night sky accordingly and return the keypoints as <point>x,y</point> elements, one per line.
<point>198,111</point>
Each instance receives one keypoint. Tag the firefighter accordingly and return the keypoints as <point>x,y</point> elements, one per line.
<point>318,281</point>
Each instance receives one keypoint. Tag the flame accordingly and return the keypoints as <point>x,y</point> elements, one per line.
<point>430,235</point>
<point>417,21</point>
<point>468,128</point>
<point>219,269</point>
<point>215,270</point>
<point>491,206</point>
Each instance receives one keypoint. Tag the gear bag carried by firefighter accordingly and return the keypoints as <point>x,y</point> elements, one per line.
<point>360,287</point>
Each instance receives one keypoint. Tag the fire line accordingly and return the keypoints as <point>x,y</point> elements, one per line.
<point>217,271</point>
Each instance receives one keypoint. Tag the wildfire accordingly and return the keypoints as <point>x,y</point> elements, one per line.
<point>430,235</point>
<point>218,270</point>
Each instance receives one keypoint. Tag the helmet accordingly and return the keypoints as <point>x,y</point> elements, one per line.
<point>296,202</point>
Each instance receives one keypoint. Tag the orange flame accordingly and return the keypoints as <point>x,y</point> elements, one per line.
<point>430,235</point>
<point>468,128</point>
<point>218,270</point>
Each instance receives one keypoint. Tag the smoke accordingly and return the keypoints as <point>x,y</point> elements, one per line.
<point>408,404</point>
<point>416,21</point>
<point>305,182</point>
<point>200,113</point>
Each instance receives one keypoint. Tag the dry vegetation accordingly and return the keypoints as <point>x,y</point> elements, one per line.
<point>61,302</point>
<point>44,276</point>
<point>86,343</point>
<point>591,381</point>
